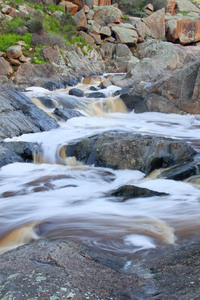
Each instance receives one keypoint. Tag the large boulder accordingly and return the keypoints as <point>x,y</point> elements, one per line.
<point>156,24</point>
<point>185,30</point>
<point>107,14</point>
<point>14,51</point>
<point>173,6</point>
<point>18,115</point>
<point>125,34</point>
<point>80,20</point>
<point>125,150</point>
<point>177,93</point>
<point>157,59</point>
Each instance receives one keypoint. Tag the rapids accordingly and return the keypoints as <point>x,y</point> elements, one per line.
<point>58,198</point>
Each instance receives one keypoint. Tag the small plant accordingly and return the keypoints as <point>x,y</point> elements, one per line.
<point>184,13</point>
<point>126,17</point>
<point>37,59</point>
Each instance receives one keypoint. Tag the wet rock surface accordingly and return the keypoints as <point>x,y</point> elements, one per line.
<point>18,115</point>
<point>64,114</point>
<point>68,270</point>
<point>124,150</point>
<point>11,152</point>
<point>131,191</point>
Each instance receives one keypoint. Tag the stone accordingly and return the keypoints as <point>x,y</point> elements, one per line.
<point>19,115</point>
<point>139,25</point>
<point>80,20</point>
<point>69,7</point>
<point>183,30</point>
<point>122,50</point>
<point>64,114</point>
<point>148,9</point>
<point>76,92</point>
<point>93,27</point>
<point>80,3</point>
<point>127,150</point>
<point>6,9</point>
<point>23,58</point>
<point>105,83</point>
<point>14,51</point>
<point>105,30</point>
<point>86,37</point>
<point>90,15</point>
<point>52,55</point>
<point>86,9</point>
<point>177,93</point>
<point>126,192</point>
<point>107,51</point>
<point>181,5</point>
<point>156,23</point>
<point>107,14</point>
<point>97,38</point>
<point>125,35</point>
<point>96,95</point>
<point>5,68</point>
<point>14,62</point>
<point>97,2</point>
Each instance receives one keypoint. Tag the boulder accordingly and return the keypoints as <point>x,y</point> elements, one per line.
<point>90,3</point>
<point>11,152</point>
<point>107,14</point>
<point>184,30</point>
<point>80,3</point>
<point>176,93</point>
<point>96,95</point>
<point>5,68</point>
<point>126,150</point>
<point>105,30</point>
<point>97,38</point>
<point>19,115</point>
<point>173,6</point>
<point>140,26</point>
<point>93,27</point>
<point>125,35</point>
<point>107,51</point>
<point>14,51</point>
<point>122,50</point>
<point>156,24</point>
<point>64,114</point>
<point>76,92</point>
<point>52,55</point>
<point>80,20</point>
<point>69,7</point>
<point>157,59</point>
<point>126,192</point>
<point>87,37</point>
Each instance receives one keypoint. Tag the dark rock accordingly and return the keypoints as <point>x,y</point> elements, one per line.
<point>71,102</point>
<point>76,92</point>
<point>64,114</point>
<point>93,88</point>
<point>65,270</point>
<point>96,95</point>
<point>132,191</point>
<point>18,115</point>
<point>47,101</point>
<point>181,172</point>
<point>125,150</point>
<point>11,152</point>
<point>121,92</point>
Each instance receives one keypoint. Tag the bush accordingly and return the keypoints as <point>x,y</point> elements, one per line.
<point>48,39</point>
<point>135,7</point>
<point>35,26</point>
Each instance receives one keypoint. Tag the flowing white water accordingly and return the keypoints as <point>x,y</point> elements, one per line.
<point>73,200</point>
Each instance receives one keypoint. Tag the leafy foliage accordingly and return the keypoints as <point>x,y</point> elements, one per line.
<point>10,39</point>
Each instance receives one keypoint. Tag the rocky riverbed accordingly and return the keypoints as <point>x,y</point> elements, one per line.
<point>110,207</point>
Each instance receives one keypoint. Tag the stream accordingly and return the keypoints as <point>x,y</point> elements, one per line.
<point>59,198</point>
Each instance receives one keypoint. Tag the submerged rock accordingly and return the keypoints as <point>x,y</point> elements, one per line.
<point>76,92</point>
<point>132,191</point>
<point>11,152</point>
<point>126,150</point>
<point>96,95</point>
<point>64,114</point>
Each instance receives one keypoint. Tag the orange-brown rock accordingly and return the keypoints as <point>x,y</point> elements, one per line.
<point>5,68</point>
<point>69,7</point>
<point>156,24</point>
<point>183,30</point>
<point>97,2</point>
<point>80,20</point>
<point>171,7</point>
<point>79,3</point>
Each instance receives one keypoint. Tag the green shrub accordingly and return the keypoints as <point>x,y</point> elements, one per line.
<point>35,26</point>
<point>10,39</point>
<point>37,59</point>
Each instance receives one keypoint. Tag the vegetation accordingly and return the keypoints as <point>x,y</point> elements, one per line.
<point>39,29</point>
<point>135,7</point>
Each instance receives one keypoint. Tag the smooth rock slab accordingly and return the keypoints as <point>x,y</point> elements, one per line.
<point>63,270</point>
<point>125,150</point>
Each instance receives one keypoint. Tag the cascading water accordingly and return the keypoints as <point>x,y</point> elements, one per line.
<point>59,198</point>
